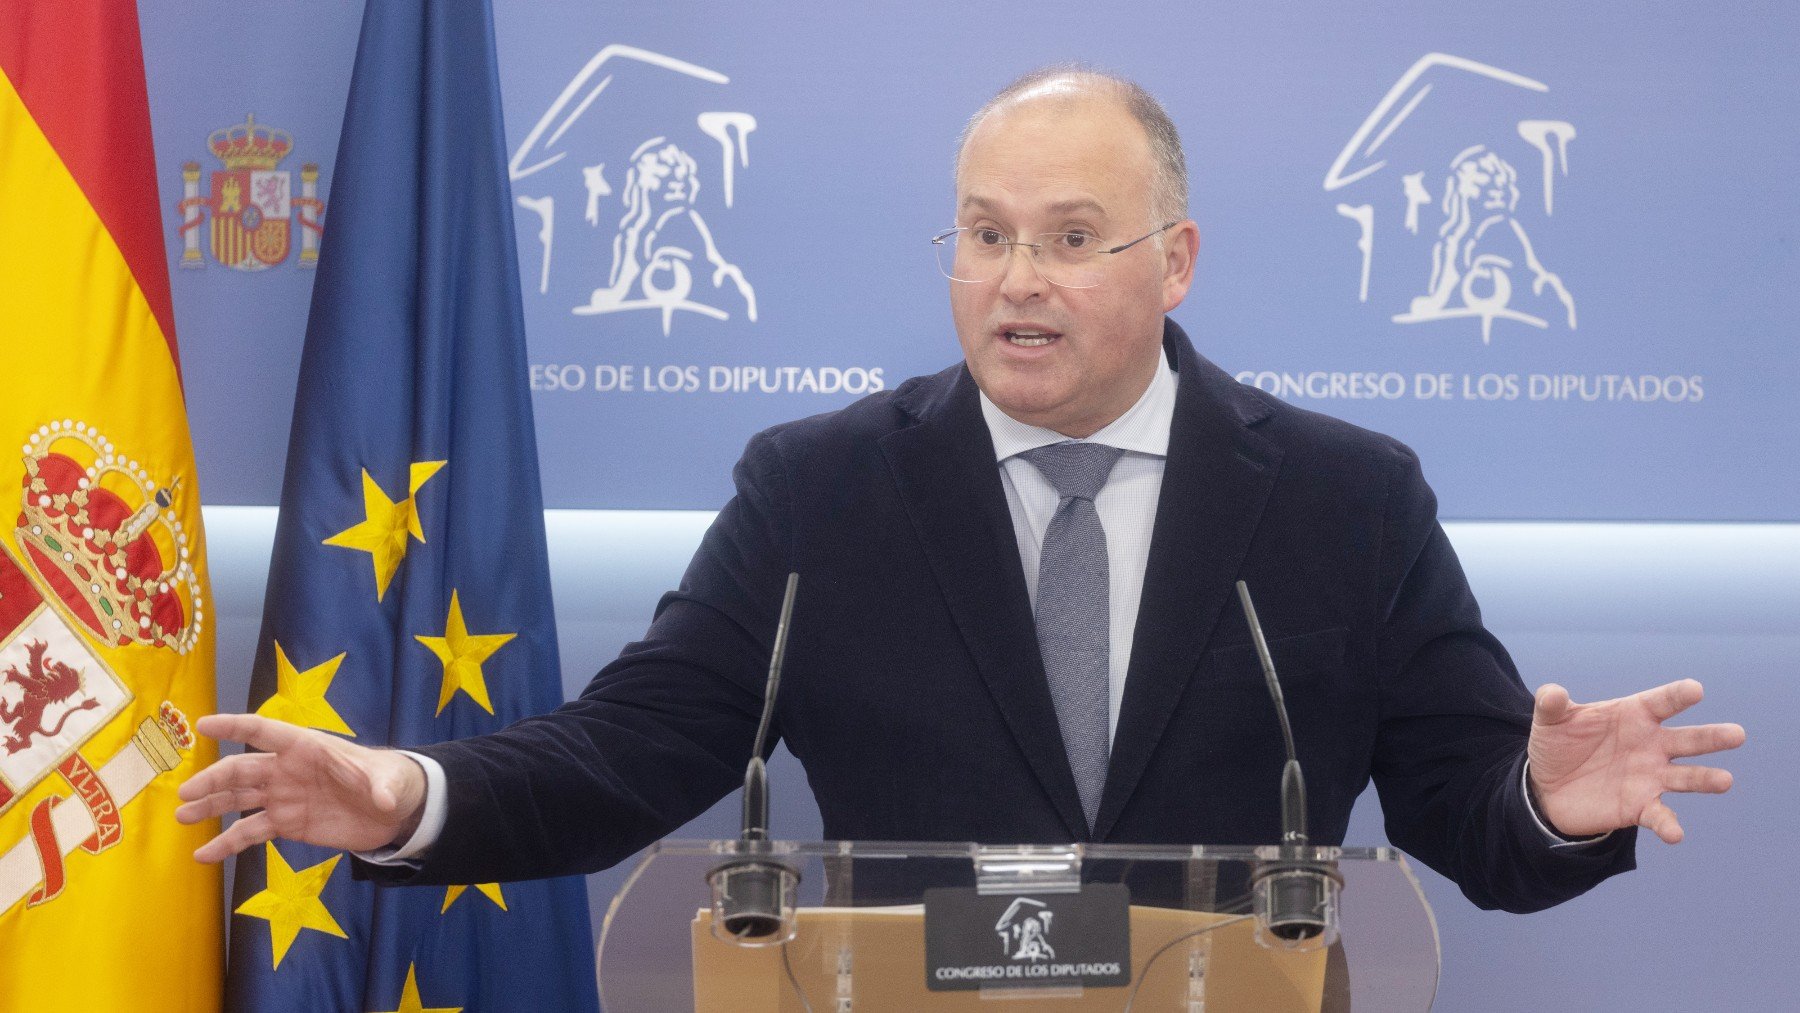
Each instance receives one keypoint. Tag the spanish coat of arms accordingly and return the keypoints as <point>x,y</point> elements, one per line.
<point>251,203</point>
<point>99,561</point>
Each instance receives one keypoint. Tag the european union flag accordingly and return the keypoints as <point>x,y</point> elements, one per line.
<point>409,593</point>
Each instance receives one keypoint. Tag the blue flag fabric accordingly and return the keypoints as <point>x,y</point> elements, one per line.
<point>409,594</point>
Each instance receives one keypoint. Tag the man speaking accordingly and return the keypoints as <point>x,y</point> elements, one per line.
<point>1017,620</point>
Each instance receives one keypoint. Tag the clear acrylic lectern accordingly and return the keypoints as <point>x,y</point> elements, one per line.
<point>861,927</point>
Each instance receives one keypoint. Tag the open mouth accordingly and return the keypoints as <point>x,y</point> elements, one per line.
<point>1030,339</point>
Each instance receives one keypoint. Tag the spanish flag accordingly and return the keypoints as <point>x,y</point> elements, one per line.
<point>106,619</point>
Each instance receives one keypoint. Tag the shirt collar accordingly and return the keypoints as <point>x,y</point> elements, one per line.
<point>1143,429</point>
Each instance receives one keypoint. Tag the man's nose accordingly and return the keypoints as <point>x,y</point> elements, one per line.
<point>1022,280</point>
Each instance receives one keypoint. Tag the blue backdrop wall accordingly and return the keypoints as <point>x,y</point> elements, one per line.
<point>722,220</point>
<point>723,213</point>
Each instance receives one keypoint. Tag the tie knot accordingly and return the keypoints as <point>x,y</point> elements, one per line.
<point>1076,470</point>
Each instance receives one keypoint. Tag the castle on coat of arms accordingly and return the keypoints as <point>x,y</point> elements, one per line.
<point>250,204</point>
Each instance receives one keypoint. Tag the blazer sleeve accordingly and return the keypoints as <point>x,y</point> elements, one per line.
<point>656,738</point>
<point>1455,717</point>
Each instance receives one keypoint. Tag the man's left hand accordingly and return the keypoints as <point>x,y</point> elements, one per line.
<point>1597,767</point>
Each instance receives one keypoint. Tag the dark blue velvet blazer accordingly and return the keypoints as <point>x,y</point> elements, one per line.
<point>916,699</point>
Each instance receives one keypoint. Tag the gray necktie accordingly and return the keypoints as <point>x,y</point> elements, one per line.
<point>1073,609</point>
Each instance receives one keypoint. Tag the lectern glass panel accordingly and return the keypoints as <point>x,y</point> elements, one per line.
<point>896,926</point>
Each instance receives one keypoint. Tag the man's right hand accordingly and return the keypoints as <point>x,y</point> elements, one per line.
<point>310,786</point>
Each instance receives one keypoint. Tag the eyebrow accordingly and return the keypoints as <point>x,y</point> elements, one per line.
<point>1063,207</point>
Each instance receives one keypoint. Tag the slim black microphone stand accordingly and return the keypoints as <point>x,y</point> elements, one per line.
<point>753,891</point>
<point>1296,894</point>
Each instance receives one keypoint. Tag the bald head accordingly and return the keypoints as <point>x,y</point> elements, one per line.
<point>1072,83</point>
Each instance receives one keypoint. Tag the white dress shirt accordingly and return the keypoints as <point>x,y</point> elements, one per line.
<point>1126,505</point>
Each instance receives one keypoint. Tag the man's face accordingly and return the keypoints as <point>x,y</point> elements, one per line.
<point>1072,360</point>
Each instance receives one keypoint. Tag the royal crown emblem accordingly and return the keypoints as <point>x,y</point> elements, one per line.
<point>104,563</point>
<point>251,202</point>
<point>248,146</point>
<point>98,529</point>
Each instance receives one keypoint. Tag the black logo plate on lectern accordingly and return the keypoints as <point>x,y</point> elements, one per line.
<point>1041,940</point>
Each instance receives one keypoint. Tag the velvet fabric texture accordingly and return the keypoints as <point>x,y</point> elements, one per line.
<point>915,697</point>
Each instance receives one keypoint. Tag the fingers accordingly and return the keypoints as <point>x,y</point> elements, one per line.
<point>1711,780</point>
<point>220,803</point>
<point>247,770</point>
<point>1552,706</point>
<point>263,733</point>
<point>1672,698</point>
<point>1660,820</point>
<point>245,833</point>
<point>1698,740</point>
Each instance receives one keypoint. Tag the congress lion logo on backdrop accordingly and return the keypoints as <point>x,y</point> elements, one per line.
<point>1452,207</point>
<point>627,208</point>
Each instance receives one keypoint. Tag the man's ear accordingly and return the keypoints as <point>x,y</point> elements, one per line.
<point>1181,247</point>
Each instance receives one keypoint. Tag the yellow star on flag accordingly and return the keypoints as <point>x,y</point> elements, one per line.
<point>291,901</point>
<point>409,996</point>
<point>386,524</point>
<point>491,890</point>
<point>300,696</point>
<point>462,653</point>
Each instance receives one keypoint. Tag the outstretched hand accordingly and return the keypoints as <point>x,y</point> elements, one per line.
<point>1597,767</point>
<point>310,786</point>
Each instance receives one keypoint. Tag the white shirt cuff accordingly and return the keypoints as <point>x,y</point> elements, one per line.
<point>1556,840</point>
<point>431,822</point>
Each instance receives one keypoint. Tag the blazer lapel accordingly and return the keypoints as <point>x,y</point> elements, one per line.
<point>949,482</point>
<point>1216,481</point>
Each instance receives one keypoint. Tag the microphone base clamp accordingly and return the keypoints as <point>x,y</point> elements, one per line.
<point>1296,903</point>
<point>753,897</point>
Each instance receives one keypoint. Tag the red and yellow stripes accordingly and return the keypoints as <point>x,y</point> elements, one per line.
<point>87,335</point>
<point>79,69</point>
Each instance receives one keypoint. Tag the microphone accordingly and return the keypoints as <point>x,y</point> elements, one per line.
<point>753,892</point>
<point>756,775</point>
<point>1296,895</point>
<point>1293,787</point>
